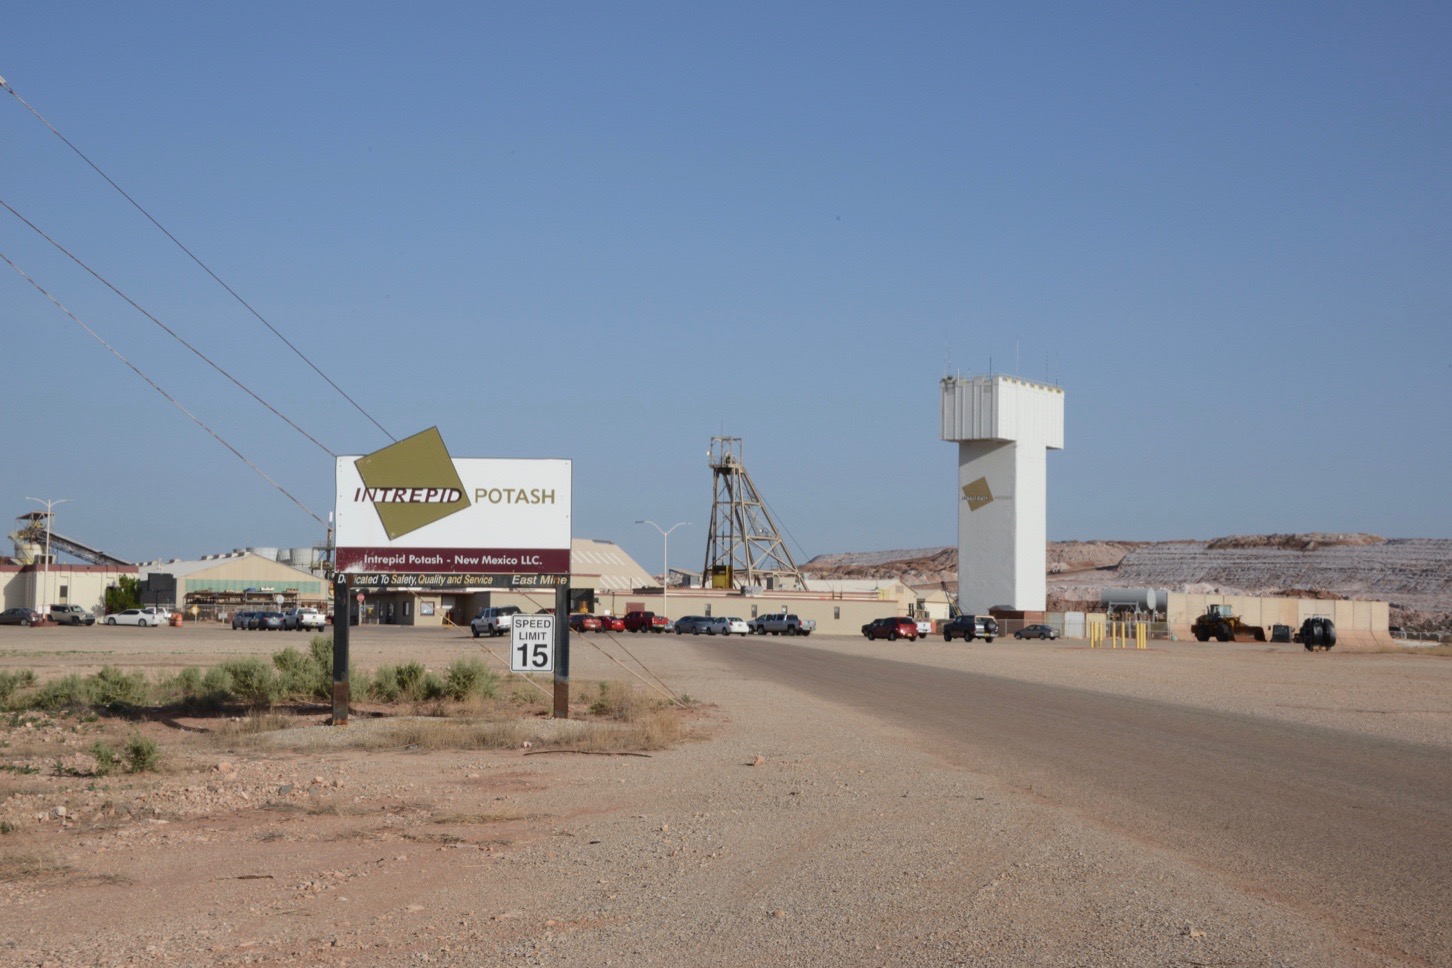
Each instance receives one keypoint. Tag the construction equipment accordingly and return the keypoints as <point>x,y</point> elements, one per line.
<point>953,610</point>
<point>1222,624</point>
<point>1318,633</point>
<point>30,537</point>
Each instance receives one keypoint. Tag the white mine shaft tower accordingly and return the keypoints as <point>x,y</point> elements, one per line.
<point>1004,428</point>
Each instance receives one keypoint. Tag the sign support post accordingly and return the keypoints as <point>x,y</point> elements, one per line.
<point>342,619</point>
<point>562,652</point>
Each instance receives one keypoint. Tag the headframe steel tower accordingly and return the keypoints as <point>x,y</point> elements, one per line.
<point>743,544</point>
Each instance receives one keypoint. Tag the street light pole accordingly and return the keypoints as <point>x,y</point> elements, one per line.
<point>45,582</point>
<point>665,568</point>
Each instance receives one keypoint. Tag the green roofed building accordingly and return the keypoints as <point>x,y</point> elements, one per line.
<point>218,585</point>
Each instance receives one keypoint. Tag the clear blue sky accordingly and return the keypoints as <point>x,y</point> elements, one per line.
<point>607,232</point>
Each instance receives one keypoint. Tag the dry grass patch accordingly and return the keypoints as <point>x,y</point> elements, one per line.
<point>250,730</point>
<point>20,867</point>
<point>619,718</point>
<point>478,819</point>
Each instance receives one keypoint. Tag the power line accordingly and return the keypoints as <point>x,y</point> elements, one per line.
<point>205,268</point>
<point>170,399</point>
<point>169,331</point>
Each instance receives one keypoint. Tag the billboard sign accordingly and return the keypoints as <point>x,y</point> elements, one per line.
<point>411,511</point>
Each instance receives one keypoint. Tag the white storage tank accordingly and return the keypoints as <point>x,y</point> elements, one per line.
<point>1139,599</point>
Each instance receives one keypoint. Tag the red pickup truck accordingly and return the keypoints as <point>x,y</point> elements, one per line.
<point>645,622</point>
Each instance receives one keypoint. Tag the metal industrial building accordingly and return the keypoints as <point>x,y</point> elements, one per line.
<point>217,585</point>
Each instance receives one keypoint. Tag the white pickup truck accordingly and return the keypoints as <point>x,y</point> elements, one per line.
<point>303,619</point>
<point>782,623</point>
<point>494,621</point>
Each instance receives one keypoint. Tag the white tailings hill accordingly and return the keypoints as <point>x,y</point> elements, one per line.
<point>1413,573</point>
<point>1410,572</point>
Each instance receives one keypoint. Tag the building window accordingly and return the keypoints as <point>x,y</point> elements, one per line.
<point>407,608</point>
<point>65,593</point>
<point>753,611</point>
<point>708,611</point>
<point>836,611</point>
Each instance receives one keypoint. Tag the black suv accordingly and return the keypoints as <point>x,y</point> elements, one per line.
<point>961,627</point>
<point>970,627</point>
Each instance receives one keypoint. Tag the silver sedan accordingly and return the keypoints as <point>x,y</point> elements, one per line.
<point>696,624</point>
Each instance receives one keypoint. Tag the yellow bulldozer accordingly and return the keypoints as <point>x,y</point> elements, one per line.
<point>1222,624</point>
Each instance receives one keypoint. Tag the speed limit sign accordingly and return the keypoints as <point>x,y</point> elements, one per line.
<point>532,644</point>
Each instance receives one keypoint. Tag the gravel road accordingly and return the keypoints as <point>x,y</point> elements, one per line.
<point>796,831</point>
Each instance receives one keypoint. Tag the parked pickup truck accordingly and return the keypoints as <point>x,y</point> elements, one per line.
<point>646,622</point>
<point>782,624</point>
<point>494,621</point>
<point>301,619</point>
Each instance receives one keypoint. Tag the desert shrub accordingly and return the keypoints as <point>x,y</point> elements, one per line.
<point>290,661</point>
<point>185,686</point>
<point>321,650</point>
<point>11,681</point>
<point>142,754</point>
<point>410,681</point>
<point>253,681</point>
<point>360,684</point>
<point>105,758</point>
<point>302,677</point>
<point>67,692</point>
<point>412,677</point>
<point>115,689</point>
<point>622,702</point>
<point>382,686</point>
<point>217,681</point>
<point>469,678</point>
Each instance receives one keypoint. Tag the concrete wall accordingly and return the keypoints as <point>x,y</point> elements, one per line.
<point>1357,622</point>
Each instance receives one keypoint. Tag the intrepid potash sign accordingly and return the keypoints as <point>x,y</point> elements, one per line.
<point>411,508</point>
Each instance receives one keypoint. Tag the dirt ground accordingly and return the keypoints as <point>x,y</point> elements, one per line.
<point>785,833</point>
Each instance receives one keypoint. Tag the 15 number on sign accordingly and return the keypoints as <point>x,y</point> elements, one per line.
<point>532,644</point>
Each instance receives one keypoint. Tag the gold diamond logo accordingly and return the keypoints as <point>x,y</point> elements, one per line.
<point>412,483</point>
<point>977,494</point>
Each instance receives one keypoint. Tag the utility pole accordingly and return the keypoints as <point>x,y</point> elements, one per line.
<point>45,589</point>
